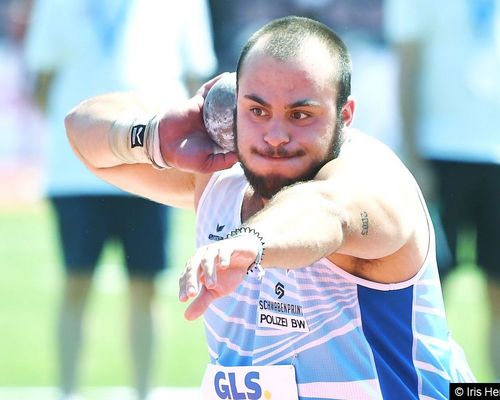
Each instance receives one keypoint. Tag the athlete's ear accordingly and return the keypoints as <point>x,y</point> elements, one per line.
<point>347,111</point>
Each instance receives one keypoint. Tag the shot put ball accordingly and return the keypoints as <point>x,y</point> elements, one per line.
<point>218,112</point>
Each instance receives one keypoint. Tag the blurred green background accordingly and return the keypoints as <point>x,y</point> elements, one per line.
<point>30,282</point>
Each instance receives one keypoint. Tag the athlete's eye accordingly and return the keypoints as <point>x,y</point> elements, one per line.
<point>299,115</point>
<point>258,112</point>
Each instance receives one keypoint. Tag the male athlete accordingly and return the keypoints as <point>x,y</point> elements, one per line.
<point>315,269</point>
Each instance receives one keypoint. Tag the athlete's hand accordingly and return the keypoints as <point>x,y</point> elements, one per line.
<point>184,142</point>
<point>214,271</point>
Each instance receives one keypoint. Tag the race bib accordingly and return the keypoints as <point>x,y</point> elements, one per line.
<point>274,382</point>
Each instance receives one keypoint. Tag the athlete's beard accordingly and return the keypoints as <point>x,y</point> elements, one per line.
<point>268,185</point>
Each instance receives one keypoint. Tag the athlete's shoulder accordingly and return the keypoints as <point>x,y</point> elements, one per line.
<point>356,142</point>
<point>362,155</point>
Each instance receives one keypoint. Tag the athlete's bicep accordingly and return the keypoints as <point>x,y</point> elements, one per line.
<point>379,221</point>
<point>378,202</point>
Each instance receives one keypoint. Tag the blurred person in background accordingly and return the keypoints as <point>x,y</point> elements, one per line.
<point>21,123</point>
<point>83,48</point>
<point>450,98</point>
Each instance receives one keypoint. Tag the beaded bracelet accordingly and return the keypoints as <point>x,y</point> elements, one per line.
<point>245,230</point>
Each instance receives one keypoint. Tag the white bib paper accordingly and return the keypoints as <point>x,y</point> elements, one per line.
<point>274,382</point>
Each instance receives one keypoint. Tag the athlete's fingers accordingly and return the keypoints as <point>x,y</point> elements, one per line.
<point>208,267</point>
<point>188,283</point>
<point>200,304</point>
<point>193,278</point>
<point>219,161</point>
<point>182,288</point>
<point>224,257</point>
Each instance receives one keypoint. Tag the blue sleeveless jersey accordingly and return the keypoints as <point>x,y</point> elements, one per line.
<point>362,340</point>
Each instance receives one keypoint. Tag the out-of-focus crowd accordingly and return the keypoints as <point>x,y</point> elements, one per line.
<point>22,125</point>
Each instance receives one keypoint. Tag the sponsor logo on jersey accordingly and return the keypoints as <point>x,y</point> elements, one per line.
<point>281,314</point>
<point>279,289</point>
<point>216,237</point>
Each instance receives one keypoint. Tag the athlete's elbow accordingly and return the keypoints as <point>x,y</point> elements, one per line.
<point>70,124</point>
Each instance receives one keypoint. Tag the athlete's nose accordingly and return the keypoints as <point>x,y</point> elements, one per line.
<point>276,134</point>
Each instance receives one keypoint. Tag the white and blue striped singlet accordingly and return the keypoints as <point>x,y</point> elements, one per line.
<point>365,340</point>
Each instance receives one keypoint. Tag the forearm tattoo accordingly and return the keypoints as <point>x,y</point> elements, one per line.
<point>364,223</point>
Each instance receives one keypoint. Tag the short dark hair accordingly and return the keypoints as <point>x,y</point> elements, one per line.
<point>284,37</point>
